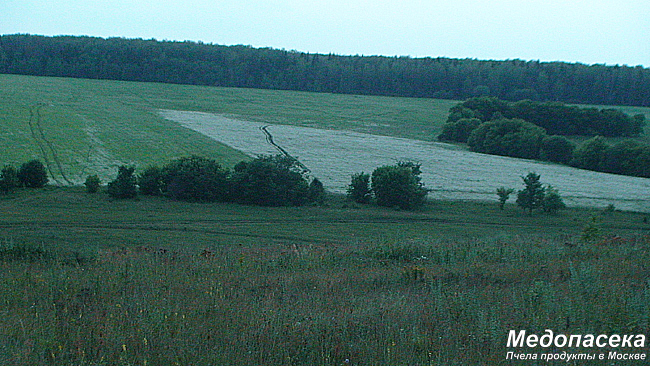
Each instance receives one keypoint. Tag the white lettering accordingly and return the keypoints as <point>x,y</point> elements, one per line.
<point>549,336</point>
<point>577,337</point>
<point>588,341</point>
<point>604,344</point>
<point>516,341</point>
<point>614,340</point>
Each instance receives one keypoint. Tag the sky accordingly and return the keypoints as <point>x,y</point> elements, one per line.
<point>591,32</point>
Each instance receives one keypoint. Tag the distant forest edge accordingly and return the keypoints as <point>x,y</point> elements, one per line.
<point>265,68</point>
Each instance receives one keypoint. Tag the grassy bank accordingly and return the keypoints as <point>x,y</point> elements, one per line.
<point>90,281</point>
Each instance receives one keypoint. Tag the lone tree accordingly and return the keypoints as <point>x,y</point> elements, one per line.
<point>359,188</point>
<point>399,186</point>
<point>530,198</point>
<point>33,174</point>
<point>504,194</point>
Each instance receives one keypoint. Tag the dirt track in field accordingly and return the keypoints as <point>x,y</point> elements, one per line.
<point>334,155</point>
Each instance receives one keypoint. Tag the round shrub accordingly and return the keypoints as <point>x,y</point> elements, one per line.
<point>33,174</point>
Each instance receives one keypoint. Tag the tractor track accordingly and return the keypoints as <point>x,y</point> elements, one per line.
<point>44,144</point>
<point>269,139</point>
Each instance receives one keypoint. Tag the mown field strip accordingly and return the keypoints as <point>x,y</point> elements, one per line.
<point>334,155</point>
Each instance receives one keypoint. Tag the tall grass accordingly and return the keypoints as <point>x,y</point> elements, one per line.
<point>378,303</point>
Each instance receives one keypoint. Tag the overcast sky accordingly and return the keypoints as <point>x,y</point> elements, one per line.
<point>594,31</point>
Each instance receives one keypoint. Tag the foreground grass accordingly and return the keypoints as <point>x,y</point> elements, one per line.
<point>89,281</point>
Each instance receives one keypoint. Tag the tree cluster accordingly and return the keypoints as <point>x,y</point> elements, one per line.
<point>533,196</point>
<point>554,117</point>
<point>266,180</point>
<point>31,174</point>
<point>244,66</point>
<point>626,157</point>
<point>397,185</point>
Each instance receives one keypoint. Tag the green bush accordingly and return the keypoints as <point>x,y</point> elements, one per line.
<point>507,137</point>
<point>151,181</point>
<point>552,201</point>
<point>399,186</point>
<point>195,179</point>
<point>316,192</point>
<point>359,188</point>
<point>270,181</point>
<point>8,179</point>
<point>92,183</point>
<point>557,149</point>
<point>459,130</point>
<point>590,154</point>
<point>33,174</point>
<point>124,186</point>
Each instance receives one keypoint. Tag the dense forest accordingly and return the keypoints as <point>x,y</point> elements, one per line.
<point>244,66</point>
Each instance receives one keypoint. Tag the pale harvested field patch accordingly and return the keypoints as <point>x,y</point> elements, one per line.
<point>334,155</point>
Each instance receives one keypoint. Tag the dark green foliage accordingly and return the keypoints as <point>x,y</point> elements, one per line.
<point>316,192</point>
<point>399,186</point>
<point>557,149</point>
<point>530,198</point>
<point>194,179</point>
<point>270,181</point>
<point>625,158</point>
<point>459,130</point>
<point>507,137</point>
<point>92,183</point>
<point>243,66</point>
<point>124,186</point>
<point>8,179</point>
<point>590,154</point>
<point>359,188</point>
<point>504,194</point>
<point>552,201</point>
<point>32,174</point>
<point>151,181</point>
<point>554,117</point>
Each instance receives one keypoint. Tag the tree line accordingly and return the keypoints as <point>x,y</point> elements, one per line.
<point>555,118</point>
<point>244,66</point>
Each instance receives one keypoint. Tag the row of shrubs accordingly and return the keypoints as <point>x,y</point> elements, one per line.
<point>397,185</point>
<point>267,181</point>
<point>521,139</point>
<point>32,174</point>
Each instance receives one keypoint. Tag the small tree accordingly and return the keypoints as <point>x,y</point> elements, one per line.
<point>124,186</point>
<point>359,188</point>
<point>92,183</point>
<point>504,194</point>
<point>33,174</point>
<point>8,179</point>
<point>399,186</point>
<point>530,198</point>
<point>552,201</point>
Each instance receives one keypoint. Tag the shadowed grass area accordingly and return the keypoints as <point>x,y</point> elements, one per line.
<point>90,281</point>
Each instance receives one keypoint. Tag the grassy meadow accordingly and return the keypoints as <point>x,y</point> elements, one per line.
<point>80,127</point>
<point>87,280</point>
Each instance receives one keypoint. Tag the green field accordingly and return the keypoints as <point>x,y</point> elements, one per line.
<point>87,280</point>
<point>82,127</point>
